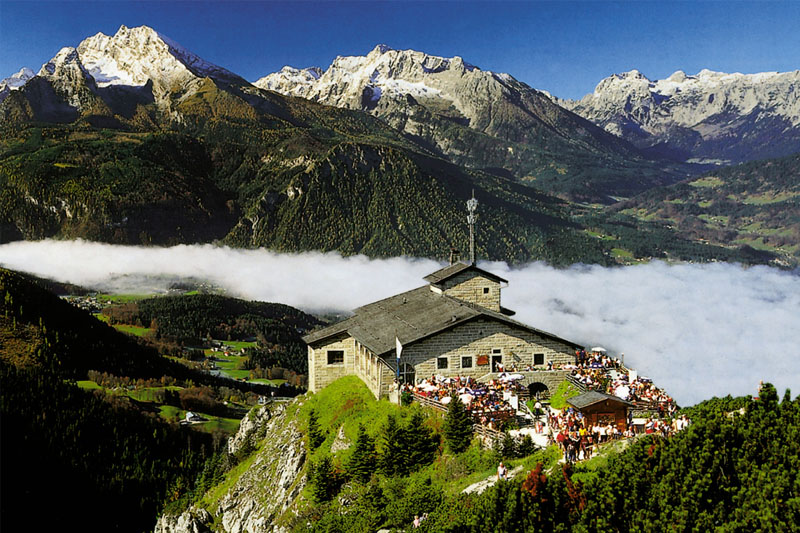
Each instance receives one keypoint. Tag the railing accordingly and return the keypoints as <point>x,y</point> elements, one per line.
<point>494,416</point>
<point>488,433</point>
<point>497,417</point>
<point>578,383</point>
<point>429,402</point>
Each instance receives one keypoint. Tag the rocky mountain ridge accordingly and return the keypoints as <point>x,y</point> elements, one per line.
<point>709,117</point>
<point>476,118</point>
<point>116,76</point>
<point>15,81</point>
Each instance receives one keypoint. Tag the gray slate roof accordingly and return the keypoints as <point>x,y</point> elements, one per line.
<point>592,397</point>
<point>452,270</point>
<point>411,316</point>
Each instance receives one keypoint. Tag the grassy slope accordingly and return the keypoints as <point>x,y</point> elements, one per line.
<point>344,405</point>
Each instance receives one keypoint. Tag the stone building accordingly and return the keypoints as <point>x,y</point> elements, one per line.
<point>455,325</point>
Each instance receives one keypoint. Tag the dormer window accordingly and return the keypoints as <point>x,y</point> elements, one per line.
<point>486,290</point>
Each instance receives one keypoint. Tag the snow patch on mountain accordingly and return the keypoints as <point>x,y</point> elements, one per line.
<point>724,108</point>
<point>134,56</point>
<point>357,82</point>
<point>290,81</point>
<point>17,80</point>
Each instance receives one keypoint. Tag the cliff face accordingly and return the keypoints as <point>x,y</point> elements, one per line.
<point>709,116</point>
<point>259,491</point>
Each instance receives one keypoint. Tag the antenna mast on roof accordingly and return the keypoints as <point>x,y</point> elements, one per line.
<point>472,206</point>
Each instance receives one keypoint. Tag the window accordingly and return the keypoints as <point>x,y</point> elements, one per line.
<point>486,290</point>
<point>497,350</point>
<point>407,374</point>
<point>335,357</point>
<point>441,363</point>
<point>466,361</point>
<point>538,359</point>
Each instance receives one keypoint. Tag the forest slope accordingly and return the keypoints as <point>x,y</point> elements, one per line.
<point>754,204</point>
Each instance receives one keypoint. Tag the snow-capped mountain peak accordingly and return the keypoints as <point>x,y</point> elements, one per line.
<point>708,108</point>
<point>17,80</point>
<point>382,49</point>
<point>115,74</point>
<point>133,56</point>
<point>383,75</point>
<point>66,58</point>
<point>291,81</point>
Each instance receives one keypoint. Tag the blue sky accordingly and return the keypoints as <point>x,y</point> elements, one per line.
<point>563,47</point>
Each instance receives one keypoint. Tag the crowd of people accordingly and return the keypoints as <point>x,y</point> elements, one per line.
<point>488,402</point>
<point>642,390</point>
<point>577,437</point>
<point>591,370</point>
<point>666,427</point>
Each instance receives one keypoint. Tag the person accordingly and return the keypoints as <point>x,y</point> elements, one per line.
<point>501,471</point>
<point>416,521</point>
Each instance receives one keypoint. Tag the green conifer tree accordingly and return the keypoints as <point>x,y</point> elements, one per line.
<point>363,461</point>
<point>420,443</point>
<point>526,446</point>
<point>457,426</point>
<point>508,446</point>
<point>392,458</point>
<point>315,435</point>
<point>320,479</point>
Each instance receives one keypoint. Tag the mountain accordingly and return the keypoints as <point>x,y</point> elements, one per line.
<point>478,118</point>
<point>755,205</point>
<point>114,76</point>
<point>132,139</point>
<point>147,143</point>
<point>709,117</point>
<point>15,81</point>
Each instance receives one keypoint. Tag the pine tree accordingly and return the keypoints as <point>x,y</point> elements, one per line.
<point>363,461</point>
<point>393,457</point>
<point>419,442</point>
<point>508,446</point>
<point>457,426</point>
<point>315,435</point>
<point>526,446</point>
<point>320,479</point>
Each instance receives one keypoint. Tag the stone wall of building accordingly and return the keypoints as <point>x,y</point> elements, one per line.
<point>488,338</point>
<point>476,338</point>
<point>376,373</point>
<point>320,373</point>
<point>471,286</point>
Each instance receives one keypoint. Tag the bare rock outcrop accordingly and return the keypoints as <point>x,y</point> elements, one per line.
<point>265,490</point>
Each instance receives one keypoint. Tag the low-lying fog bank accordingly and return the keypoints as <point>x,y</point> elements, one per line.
<point>697,330</point>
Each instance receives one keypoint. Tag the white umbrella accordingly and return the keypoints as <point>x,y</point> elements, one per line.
<point>622,392</point>
<point>466,399</point>
<point>446,399</point>
<point>598,349</point>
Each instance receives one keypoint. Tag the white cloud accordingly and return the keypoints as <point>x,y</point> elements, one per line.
<point>697,330</point>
